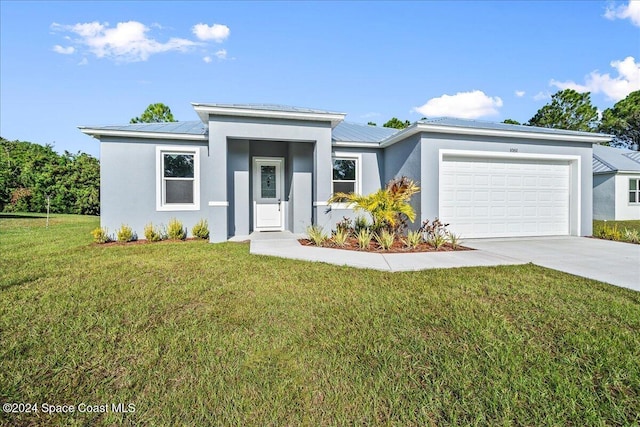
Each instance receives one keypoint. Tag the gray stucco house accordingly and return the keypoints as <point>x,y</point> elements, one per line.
<point>247,168</point>
<point>616,183</point>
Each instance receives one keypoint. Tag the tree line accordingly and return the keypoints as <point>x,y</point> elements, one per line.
<point>33,176</point>
<point>572,110</point>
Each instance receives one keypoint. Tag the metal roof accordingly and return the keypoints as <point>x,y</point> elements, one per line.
<point>195,127</point>
<point>479,124</point>
<point>609,159</point>
<point>355,132</point>
<point>270,107</point>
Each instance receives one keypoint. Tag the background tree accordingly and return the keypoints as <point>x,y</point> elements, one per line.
<point>371,124</point>
<point>568,110</point>
<point>155,113</point>
<point>31,172</point>
<point>623,121</point>
<point>511,122</point>
<point>396,123</point>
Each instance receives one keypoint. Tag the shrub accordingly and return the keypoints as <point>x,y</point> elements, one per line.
<point>345,225</point>
<point>434,228</point>
<point>437,240</point>
<point>385,239</point>
<point>340,237</point>
<point>175,230</point>
<point>125,234</point>
<point>454,239</point>
<point>609,233</point>
<point>101,235</point>
<point>153,234</point>
<point>413,239</point>
<point>360,223</point>
<point>316,234</point>
<point>389,207</point>
<point>631,235</point>
<point>364,238</point>
<point>201,229</point>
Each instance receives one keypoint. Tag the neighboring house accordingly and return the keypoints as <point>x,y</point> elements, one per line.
<point>616,183</point>
<point>249,168</point>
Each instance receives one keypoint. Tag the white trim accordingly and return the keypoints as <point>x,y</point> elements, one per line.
<point>524,134</point>
<point>218,204</point>
<point>358,184</point>
<point>320,204</point>
<point>195,206</point>
<point>98,133</point>
<point>281,189</point>
<point>575,180</point>
<point>205,110</point>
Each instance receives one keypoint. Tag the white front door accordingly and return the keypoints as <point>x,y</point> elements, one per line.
<point>268,189</point>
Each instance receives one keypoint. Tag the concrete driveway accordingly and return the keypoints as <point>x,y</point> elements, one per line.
<point>611,262</point>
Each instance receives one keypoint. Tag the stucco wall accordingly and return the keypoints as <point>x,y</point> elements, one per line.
<point>604,197</point>
<point>433,143</point>
<point>624,209</point>
<point>128,178</point>
<point>404,159</point>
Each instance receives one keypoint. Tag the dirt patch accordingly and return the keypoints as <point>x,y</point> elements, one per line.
<point>398,247</point>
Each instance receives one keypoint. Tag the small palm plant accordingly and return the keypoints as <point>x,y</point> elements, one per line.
<point>316,234</point>
<point>388,206</point>
<point>340,237</point>
<point>414,238</point>
<point>385,239</point>
<point>364,237</point>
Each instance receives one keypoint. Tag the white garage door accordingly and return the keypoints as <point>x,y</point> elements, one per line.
<point>482,197</point>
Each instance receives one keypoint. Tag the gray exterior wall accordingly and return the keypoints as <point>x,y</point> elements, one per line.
<point>604,196</point>
<point>433,143</point>
<point>404,158</point>
<point>128,180</point>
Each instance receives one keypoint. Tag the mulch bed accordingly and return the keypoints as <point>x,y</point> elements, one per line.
<point>144,242</point>
<point>398,246</point>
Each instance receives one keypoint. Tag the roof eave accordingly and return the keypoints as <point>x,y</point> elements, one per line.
<point>98,133</point>
<point>433,128</point>
<point>205,110</point>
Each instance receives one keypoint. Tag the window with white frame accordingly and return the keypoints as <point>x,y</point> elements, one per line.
<point>178,183</point>
<point>345,174</point>
<point>634,190</point>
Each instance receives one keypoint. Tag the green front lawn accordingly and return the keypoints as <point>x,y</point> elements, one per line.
<point>199,334</point>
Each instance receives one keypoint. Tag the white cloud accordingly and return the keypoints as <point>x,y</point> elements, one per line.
<point>128,41</point>
<point>541,95</point>
<point>207,59</point>
<point>216,32</point>
<point>466,105</point>
<point>630,11</point>
<point>64,50</point>
<point>222,54</point>
<point>83,62</point>
<point>520,93</point>
<point>614,88</point>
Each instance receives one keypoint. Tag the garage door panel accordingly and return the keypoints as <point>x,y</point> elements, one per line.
<point>483,197</point>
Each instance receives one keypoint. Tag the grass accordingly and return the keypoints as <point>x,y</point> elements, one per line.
<point>199,334</point>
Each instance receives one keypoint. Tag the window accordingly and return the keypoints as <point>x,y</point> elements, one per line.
<point>344,175</point>
<point>178,184</point>
<point>634,190</point>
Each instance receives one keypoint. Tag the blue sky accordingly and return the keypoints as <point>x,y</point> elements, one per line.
<point>65,64</point>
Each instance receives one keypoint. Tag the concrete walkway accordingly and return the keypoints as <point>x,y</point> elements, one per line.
<point>611,262</point>
<point>285,244</point>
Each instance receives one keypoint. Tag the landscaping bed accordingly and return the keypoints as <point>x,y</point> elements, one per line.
<point>398,246</point>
